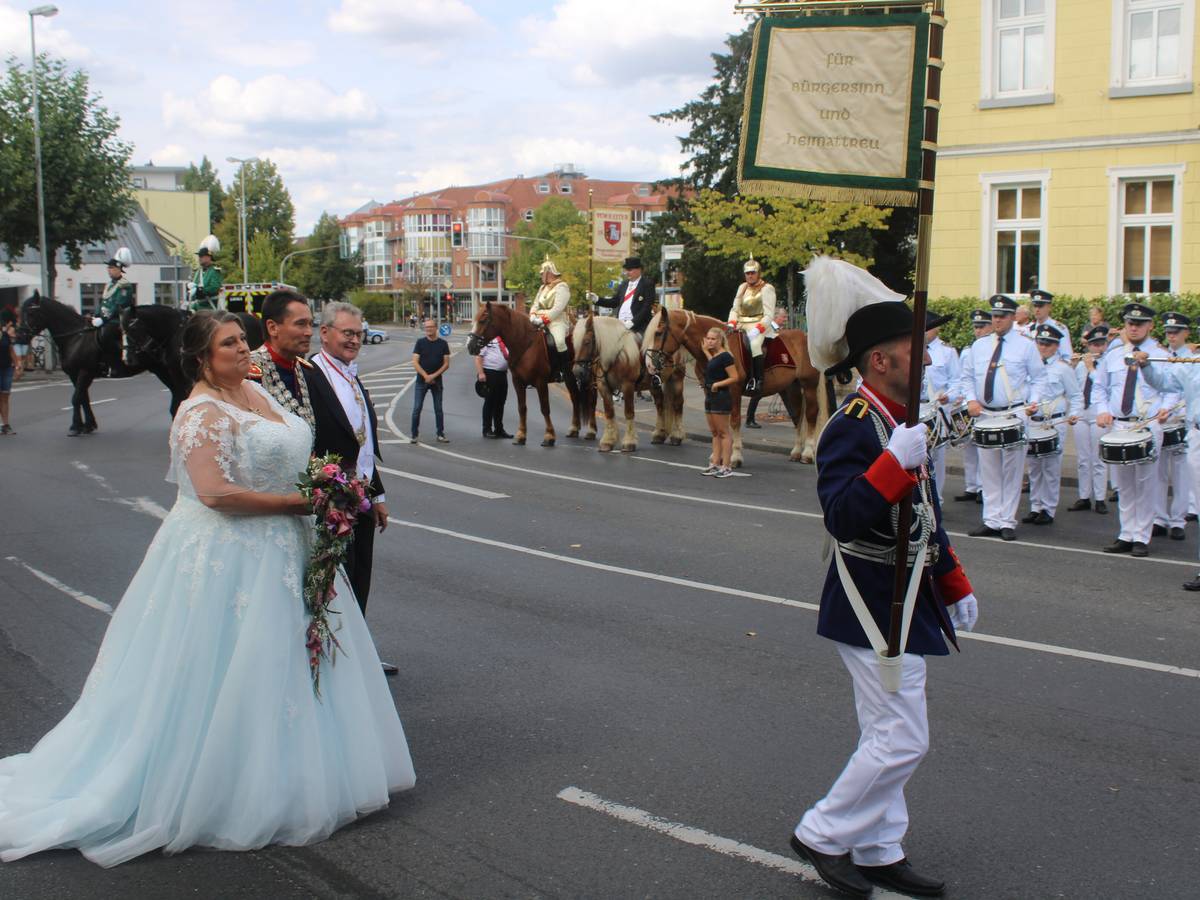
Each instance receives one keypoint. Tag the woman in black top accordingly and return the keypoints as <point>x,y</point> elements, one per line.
<point>719,374</point>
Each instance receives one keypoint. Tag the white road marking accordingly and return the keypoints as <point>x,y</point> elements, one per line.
<point>85,599</point>
<point>37,387</point>
<point>449,485</point>
<point>697,837</point>
<point>1035,646</point>
<point>143,505</point>
<point>94,403</point>
<point>99,479</point>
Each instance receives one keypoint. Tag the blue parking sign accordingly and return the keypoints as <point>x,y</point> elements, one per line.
<point>444,330</point>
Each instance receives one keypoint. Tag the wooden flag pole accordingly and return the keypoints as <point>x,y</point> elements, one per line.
<point>933,93</point>
<point>591,240</point>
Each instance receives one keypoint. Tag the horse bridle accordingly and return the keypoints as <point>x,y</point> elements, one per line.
<point>476,342</point>
<point>659,354</point>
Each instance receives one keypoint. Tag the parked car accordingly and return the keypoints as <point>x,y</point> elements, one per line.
<point>375,336</point>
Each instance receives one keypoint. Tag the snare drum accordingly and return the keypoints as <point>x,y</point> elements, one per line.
<point>958,420</point>
<point>1041,440</point>
<point>1128,448</point>
<point>1174,438</point>
<point>937,435</point>
<point>998,432</point>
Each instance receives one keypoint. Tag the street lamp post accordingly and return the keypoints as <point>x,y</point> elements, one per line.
<point>284,261</point>
<point>245,242</point>
<point>45,11</point>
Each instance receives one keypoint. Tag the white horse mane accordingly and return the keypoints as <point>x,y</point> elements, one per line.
<point>612,339</point>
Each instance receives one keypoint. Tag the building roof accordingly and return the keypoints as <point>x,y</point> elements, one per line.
<point>145,245</point>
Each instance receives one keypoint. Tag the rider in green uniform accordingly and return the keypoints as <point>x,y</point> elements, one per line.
<point>119,297</point>
<point>206,283</point>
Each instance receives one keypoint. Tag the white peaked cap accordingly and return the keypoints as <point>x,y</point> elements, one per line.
<point>123,256</point>
<point>836,289</point>
<point>211,244</point>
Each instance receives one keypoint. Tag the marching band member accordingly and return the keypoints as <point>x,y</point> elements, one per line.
<point>1124,396</point>
<point>206,283</point>
<point>1179,379</point>
<point>752,311</point>
<point>549,309</point>
<point>1001,373</point>
<point>1040,301</point>
<point>1058,403</point>
<point>1092,471</point>
<point>941,384</point>
<point>981,324</point>
<point>866,463</point>
<point>1173,471</point>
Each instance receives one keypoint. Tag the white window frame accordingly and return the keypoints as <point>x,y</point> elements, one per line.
<point>564,187</point>
<point>1120,84</point>
<point>543,187</point>
<point>990,96</point>
<point>990,183</point>
<point>1118,175</point>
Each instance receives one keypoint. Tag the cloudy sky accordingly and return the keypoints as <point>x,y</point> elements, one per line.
<point>375,99</point>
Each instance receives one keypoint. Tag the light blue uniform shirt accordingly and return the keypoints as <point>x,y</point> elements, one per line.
<point>1178,379</point>
<point>1020,373</point>
<point>1059,394</point>
<point>1147,399</point>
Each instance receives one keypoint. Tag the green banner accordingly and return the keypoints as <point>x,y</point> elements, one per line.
<point>835,108</point>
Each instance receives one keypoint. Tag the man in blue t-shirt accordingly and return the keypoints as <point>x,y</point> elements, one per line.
<point>431,357</point>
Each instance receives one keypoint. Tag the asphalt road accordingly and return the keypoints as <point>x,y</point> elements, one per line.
<point>611,681</point>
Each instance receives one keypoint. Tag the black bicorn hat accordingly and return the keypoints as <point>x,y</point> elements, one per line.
<point>1047,332</point>
<point>1096,333</point>
<point>1176,320</point>
<point>871,325</point>
<point>981,317</point>
<point>632,262</point>
<point>933,320</point>
<point>1038,296</point>
<point>1002,304</point>
<point>481,389</point>
<point>1137,312</point>
<point>204,251</point>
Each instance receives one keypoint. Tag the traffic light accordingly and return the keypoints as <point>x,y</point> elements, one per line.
<point>456,234</point>
<point>448,298</point>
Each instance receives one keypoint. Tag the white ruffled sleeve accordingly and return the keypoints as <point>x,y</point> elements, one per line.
<point>204,457</point>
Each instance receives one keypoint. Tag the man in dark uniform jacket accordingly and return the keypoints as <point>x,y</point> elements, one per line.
<point>867,461</point>
<point>633,300</point>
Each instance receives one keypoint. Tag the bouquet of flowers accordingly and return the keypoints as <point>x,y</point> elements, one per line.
<point>337,500</point>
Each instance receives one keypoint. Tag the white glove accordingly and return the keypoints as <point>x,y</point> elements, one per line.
<point>97,321</point>
<point>964,613</point>
<point>908,445</point>
<point>591,298</point>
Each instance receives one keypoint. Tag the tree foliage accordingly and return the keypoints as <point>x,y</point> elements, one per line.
<point>556,220</point>
<point>324,274</point>
<point>204,178</point>
<point>85,166</point>
<point>269,213</point>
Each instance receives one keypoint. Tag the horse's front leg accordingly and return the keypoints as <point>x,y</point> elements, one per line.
<point>593,394</point>
<point>519,390</point>
<point>661,413</point>
<point>543,392</point>
<point>629,394</point>
<point>575,391</point>
<point>77,427</point>
<point>807,421</point>
<point>735,428</point>
<point>609,439</point>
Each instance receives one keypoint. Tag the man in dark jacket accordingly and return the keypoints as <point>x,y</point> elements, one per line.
<point>633,300</point>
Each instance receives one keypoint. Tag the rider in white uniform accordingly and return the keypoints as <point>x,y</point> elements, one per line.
<point>549,309</point>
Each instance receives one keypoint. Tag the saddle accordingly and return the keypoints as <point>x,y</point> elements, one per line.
<point>775,353</point>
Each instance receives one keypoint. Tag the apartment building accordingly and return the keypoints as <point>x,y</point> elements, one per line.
<point>182,215</point>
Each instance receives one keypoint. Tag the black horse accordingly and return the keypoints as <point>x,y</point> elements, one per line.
<point>152,341</point>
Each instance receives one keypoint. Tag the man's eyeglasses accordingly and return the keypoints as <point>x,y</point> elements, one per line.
<point>351,335</point>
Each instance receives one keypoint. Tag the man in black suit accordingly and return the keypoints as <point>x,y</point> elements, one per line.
<point>346,425</point>
<point>633,300</point>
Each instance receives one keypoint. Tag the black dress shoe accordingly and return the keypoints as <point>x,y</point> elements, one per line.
<point>1079,505</point>
<point>1158,531</point>
<point>501,434</point>
<point>1190,517</point>
<point>487,433</point>
<point>1102,507</point>
<point>1044,518</point>
<point>966,497</point>
<point>1139,549</point>
<point>902,877</point>
<point>750,423</point>
<point>984,531</point>
<point>389,670</point>
<point>1008,534</point>
<point>1118,546</point>
<point>1032,518</point>
<point>1193,585</point>
<point>839,872</point>
<point>1177,534</point>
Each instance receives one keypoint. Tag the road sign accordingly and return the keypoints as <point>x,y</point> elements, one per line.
<point>444,331</point>
<point>671,252</point>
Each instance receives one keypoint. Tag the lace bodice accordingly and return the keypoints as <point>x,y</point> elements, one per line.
<point>217,448</point>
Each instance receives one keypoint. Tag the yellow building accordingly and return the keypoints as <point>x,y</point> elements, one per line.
<point>182,215</point>
<point>1069,149</point>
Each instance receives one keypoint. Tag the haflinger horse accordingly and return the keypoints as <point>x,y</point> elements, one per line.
<point>153,336</point>
<point>793,377</point>
<point>528,364</point>
<point>607,354</point>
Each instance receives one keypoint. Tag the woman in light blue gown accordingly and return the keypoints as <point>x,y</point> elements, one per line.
<point>198,724</point>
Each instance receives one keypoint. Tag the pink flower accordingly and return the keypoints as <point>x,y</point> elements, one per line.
<point>332,470</point>
<point>365,506</point>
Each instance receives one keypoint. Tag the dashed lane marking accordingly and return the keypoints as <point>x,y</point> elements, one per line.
<point>85,599</point>
<point>94,403</point>
<point>448,485</point>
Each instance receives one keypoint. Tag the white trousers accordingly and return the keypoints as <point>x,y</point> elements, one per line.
<point>1045,476</point>
<point>1174,472</point>
<point>970,456</point>
<point>864,812</point>
<point>1193,454</point>
<point>1138,488</point>
<point>1091,470</point>
<point>939,472</point>
<point>1000,474</point>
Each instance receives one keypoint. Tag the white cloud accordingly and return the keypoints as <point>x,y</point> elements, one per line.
<point>52,38</point>
<point>266,53</point>
<point>408,22</point>
<point>301,161</point>
<point>588,45</point>
<point>171,155</point>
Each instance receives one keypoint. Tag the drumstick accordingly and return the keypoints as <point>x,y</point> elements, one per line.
<point>1140,422</point>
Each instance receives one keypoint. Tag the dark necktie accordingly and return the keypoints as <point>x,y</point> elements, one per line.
<point>1087,391</point>
<point>1130,388</point>
<point>989,380</point>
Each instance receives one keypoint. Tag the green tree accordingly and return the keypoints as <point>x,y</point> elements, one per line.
<point>269,212</point>
<point>264,259</point>
<point>324,274</point>
<point>86,178</point>
<point>557,220</point>
<point>204,178</point>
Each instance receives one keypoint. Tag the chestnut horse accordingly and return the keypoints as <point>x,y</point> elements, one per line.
<point>607,354</point>
<point>800,387</point>
<point>528,363</point>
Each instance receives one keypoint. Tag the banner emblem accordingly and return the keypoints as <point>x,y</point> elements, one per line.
<point>612,232</point>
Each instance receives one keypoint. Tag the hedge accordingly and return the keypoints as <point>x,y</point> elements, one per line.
<point>1070,311</point>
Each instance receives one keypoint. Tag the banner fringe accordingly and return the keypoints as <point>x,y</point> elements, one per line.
<point>796,191</point>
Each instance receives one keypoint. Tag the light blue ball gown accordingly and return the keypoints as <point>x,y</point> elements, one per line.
<point>198,724</point>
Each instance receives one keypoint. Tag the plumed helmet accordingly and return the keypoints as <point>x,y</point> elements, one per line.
<point>210,246</point>
<point>122,258</point>
<point>549,266</point>
<point>751,266</point>
<point>836,290</point>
